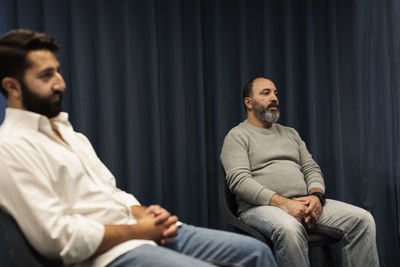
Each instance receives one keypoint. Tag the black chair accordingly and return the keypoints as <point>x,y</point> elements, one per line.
<point>317,237</point>
<point>21,252</point>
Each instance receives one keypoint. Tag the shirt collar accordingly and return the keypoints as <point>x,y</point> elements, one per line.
<point>27,119</point>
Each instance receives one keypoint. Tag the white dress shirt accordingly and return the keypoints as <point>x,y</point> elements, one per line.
<point>60,193</point>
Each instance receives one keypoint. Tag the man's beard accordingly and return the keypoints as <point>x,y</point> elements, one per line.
<point>264,113</point>
<point>42,105</point>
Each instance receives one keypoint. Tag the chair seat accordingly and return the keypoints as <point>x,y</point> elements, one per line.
<point>321,235</point>
<point>316,240</point>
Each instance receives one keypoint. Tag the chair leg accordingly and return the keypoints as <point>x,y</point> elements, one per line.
<point>328,256</point>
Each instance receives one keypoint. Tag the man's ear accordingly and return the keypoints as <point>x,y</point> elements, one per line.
<point>247,102</point>
<point>12,86</point>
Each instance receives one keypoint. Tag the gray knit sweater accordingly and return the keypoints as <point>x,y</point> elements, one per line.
<point>260,162</point>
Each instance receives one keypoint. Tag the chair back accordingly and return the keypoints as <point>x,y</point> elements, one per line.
<point>229,208</point>
<point>227,199</point>
<point>21,252</point>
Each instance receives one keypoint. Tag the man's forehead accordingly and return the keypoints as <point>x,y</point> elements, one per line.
<point>40,59</point>
<point>263,83</point>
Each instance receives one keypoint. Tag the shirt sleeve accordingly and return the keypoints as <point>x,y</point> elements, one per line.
<point>122,196</point>
<point>235,160</point>
<point>27,194</point>
<point>312,173</point>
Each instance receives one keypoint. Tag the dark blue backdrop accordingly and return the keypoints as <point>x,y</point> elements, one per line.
<point>156,85</point>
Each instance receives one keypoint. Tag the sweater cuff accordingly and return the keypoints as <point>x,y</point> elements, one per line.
<point>264,196</point>
<point>318,185</point>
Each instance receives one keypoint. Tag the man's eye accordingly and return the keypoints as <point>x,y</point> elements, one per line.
<point>47,75</point>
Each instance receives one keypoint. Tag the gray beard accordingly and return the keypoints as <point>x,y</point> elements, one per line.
<point>268,116</point>
<point>264,114</point>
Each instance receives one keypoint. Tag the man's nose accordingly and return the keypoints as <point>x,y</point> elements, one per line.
<point>274,98</point>
<point>60,83</point>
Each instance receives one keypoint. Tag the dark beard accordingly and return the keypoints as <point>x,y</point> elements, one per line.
<point>42,105</point>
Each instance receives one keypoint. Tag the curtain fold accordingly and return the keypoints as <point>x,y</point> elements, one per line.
<point>156,85</point>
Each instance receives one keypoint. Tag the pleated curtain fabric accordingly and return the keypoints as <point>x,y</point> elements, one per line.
<point>156,85</point>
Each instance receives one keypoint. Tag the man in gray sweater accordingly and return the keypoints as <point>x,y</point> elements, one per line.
<point>279,188</point>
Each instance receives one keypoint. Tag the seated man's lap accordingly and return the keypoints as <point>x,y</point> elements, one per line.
<point>335,214</point>
<point>148,255</point>
<point>269,220</point>
<point>194,244</point>
<point>216,245</point>
<point>343,216</point>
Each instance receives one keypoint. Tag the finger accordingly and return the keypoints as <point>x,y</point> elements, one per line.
<point>153,209</point>
<point>171,220</point>
<point>317,209</point>
<point>309,222</point>
<point>166,241</point>
<point>172,231</point>
<point>309,209</point>
<point>302,199</point>
<point>162,217</point>
<point>316,215</point>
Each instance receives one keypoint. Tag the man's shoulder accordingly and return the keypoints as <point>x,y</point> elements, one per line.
<point>15,138</point>
<point>15,141</point>
<point>283,128</point>
<point>240,129</point>
<point>287,131</point>
<point>8,135</point>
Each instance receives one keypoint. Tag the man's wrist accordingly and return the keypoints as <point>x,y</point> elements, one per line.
<point>138,211</point>
<point>321,196</point>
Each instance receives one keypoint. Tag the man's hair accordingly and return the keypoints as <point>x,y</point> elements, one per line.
<point>248,89</point>
<point>14,47</point>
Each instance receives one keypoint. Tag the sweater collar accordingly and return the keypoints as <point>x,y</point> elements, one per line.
<point>260,130</point>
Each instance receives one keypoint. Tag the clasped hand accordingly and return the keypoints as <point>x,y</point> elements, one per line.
<point>305,209</point>
<point>160,224</point>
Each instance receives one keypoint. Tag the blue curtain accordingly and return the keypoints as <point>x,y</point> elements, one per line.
<point>156,85</point>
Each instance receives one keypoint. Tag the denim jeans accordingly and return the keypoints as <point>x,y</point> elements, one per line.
<point>195,246</point>
<point>290,237</point>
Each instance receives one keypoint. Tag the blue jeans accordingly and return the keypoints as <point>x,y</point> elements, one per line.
<point>195,246</point>
<point>290,237</point>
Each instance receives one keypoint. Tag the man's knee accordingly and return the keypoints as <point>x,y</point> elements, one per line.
<point>258,252</point>
<point>255,245</point>
<point>367,221</point>
<point>249,244</point>
<point>290,231</point>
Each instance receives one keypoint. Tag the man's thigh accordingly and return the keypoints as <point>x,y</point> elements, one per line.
<point>270,219</point>
<point>148,255</point>
<point>220,246</point>
<point>340,215</point>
